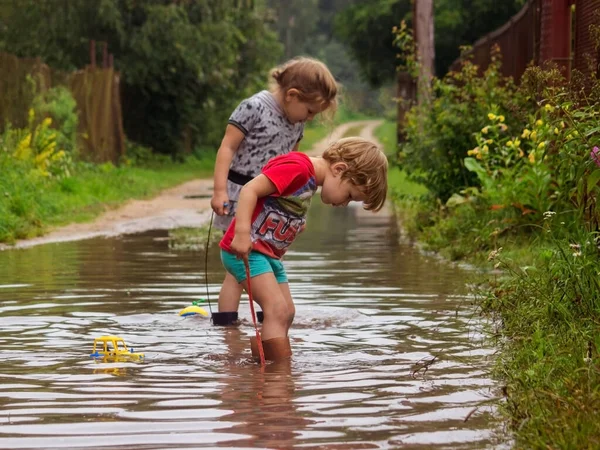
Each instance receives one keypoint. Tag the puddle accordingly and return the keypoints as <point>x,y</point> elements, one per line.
<point>387,350</point>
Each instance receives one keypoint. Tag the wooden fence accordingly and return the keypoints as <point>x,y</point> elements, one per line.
<point>96,91</point>
<point>544,30</point>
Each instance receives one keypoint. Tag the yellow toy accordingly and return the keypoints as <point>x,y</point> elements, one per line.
<point>113,347</point>
<point>193,310</point>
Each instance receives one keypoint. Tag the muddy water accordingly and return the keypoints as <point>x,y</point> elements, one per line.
<point>387,351</point>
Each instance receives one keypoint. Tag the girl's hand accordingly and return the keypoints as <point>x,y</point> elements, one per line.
<point>220,203</point>
<point>241,245</point>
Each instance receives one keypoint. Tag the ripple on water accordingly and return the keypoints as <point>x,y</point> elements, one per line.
<point>387,351</point>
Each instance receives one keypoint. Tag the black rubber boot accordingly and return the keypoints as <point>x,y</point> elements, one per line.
<point>225,318</point>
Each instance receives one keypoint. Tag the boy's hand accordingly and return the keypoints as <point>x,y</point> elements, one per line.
<point>241,245</point>
<point>220,203</point>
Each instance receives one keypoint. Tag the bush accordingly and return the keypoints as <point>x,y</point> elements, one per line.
<point>440,132</point>
<point>58,103</point>
<point>551,163</point>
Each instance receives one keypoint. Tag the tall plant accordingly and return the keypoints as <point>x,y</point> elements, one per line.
<point>440,133</point>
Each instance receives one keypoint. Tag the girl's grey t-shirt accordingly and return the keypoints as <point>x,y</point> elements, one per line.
<point>267,132</point>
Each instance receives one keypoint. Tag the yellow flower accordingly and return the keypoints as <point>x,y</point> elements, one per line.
<point>532,157</point>
<point>521,154</point>
<point>562,123</point>
<point>525,133</point>
<point>489,141</point>
<point>509,144</point>
<point>475,151</point>
<point>47,122</point>
<point>539,122</point>
<point>501,118</point>
<point>23,150</point>
<point>485,130</point>
<point>517,142</point>
<point>491,116</point>
<point>485,149</point>
<point>503,127</point>
<point>555,130</point>
<point>58,155</point>
<point>549,107</point>
<point>533,135</point>
<point>541,145</point>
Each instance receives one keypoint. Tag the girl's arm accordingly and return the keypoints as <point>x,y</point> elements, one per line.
<point>229,145</point>
<point>259,187</point>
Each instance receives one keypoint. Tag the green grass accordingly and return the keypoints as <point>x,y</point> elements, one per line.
<point>188,238</point>
<point>313,133</point>
<point>386,134</point>
<point>399,182</point>
<point>402,189</point>
<point>353,131</point>
<point>30,205</point>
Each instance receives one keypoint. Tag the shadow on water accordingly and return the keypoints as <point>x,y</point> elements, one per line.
<point>387,350</point>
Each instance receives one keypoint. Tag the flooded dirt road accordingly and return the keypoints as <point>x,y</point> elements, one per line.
<point>387,350</point>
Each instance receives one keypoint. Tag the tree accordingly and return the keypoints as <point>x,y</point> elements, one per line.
<point>184,63</point>
<point>295,21</point>
<point>366,26</point>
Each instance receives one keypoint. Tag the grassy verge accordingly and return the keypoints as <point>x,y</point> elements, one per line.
<point>30,204</point>
<point>386,134</point>
<point>403,191</point>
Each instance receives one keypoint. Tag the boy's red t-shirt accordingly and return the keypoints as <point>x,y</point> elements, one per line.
<point>281,216</point>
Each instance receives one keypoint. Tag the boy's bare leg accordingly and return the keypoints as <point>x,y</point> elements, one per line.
<point>229,297</point>
<point>276,302</point>
<point>285,291</point>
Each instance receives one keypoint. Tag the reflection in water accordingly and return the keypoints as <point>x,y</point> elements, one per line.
<point>387,352</point>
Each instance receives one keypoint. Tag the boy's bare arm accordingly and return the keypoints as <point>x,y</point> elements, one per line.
<point>229,145</point>
<point>259,187</point>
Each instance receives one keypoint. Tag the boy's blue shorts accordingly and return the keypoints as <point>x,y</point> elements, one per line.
<point>259,264</point>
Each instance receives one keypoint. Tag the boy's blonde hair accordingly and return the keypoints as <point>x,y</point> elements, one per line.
<point>367,168</point>
<point>311,78</point>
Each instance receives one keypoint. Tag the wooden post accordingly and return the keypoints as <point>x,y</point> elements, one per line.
<point>93,54</point>
<point>405,94</point>
<point>423,33</point>
<point>104,55</point>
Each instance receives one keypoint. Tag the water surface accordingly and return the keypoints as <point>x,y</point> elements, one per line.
<point>387,350</point>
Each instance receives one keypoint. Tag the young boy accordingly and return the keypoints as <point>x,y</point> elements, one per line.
<point>272,211</point>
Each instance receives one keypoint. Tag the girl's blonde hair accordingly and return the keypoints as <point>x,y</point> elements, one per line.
<point>311,78</point>
<point>367,168</point>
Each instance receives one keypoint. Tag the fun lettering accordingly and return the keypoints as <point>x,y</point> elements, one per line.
<point>283,229</point>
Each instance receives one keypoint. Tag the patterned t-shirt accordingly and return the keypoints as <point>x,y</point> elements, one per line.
<point>267,132</point>
<point>281,216</point>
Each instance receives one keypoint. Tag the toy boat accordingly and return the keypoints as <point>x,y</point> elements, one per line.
<point>113,347</point>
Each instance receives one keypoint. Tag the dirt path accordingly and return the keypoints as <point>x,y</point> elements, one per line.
<point>186,205</point>
<point>366,133</point>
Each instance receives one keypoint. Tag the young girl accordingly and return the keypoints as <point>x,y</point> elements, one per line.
<point>268,124</point>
